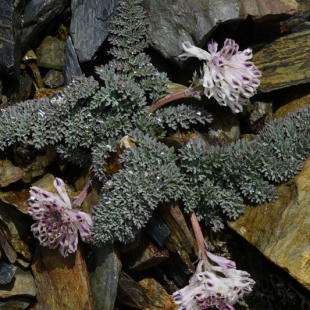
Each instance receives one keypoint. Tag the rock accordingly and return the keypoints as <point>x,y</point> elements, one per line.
<point>298,19</point>
<point>280,230</point>
<point>7,249</point>
<point>25,88</point>
<point>33,162</point>
<point>131,293</point>
<point>266,10</point>
<point>16,228</point>
<point>61,281</point>
<point>176,269</point>
<point>23,284</point>
<point>51,53</point>
<point>284,62</point>
<point>260,113</point>
<point>225,127</point>
<point>7,272</point>
<point>9,173</point>
<point>157,229</point>
<point>89,26</point>
<point>54,79</point>
<point>147,255</point>
<point>18,303</point>
<point>37,15</point>
<point>296,100</point>
<point>180,239</point>
<point>170,23</point>
<point>32,67</point>
<point>72,66</point>
<point>104,268</point>
<point>29,56</point>
<point>10,55</point>
<point>159,298</point>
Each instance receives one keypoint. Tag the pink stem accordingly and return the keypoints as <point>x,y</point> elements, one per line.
<point>78,200</point>
<point>199,237</point>
<point>169,98</point>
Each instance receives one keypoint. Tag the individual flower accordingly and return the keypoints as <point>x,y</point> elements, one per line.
<point>228,75</point>
<point>57,222</point>
<point>218,286</point>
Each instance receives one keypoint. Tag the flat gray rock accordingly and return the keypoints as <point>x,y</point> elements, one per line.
<point>172,22</point>
<point>38,14</point>
<point>90,26</point>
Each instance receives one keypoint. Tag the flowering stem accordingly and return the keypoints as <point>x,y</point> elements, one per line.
<point>199,237</point>
<point>171,97</point>
<point>83,194</point>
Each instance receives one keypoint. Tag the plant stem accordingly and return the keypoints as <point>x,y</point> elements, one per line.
<point>199,238</point>
<point>171,97</point>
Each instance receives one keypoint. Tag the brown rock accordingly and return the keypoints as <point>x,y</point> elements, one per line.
<point>7,249</point>
<point>299,100</point>
<point>285,62</point>
<point>131,293</point>
<point>262,10</point>
<point>9,173</point>
<point>51,53</point>
<point>62,283</point>
<point>180,238</point>
<point>23,284</point>
<point>298,19</point>
<point>147,255</point>
<point>16,228</point>
<point>280,230</point>
<point>18,199</point>
<point>159,298</point>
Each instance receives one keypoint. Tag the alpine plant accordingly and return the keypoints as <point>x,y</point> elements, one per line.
<point>228,74</point>
<point>216,286</point>
<point>58,221</point>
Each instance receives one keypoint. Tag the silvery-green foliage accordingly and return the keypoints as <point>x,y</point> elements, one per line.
<point>38,122</point>
<point>223,179</point>
<point>183,116</point>
<point>127,37</point>
<point>149,176</point>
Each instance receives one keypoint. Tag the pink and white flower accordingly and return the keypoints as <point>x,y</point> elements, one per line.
<point>57,222</point>
<point>228,75</point>
<point>218,286</point>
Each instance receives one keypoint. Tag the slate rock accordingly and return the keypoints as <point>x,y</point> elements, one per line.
<point>173,22</point>
<point>72,67</point>
<point>147,255</point>
<point>7,272</point>
<point>62,283</point>
<point>9,173</point>
<point>54,79</point>
<point>22,284</point>
<point>37,15</point>
<point>51,53</point>
<point>104,268</point>
<point>158,296</point>
<point>16,227</point>
<point>10,27</point>
<point>157,229</point>
<point>89,26</point>
<point>131,293</point>
<point>16,303</point>
<point>6,248</point>
<point>280,230</point>
<point>285,61</point>
<point>267,10</point>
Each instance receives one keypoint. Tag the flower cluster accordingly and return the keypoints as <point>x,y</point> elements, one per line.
<point>228,75</point>
<point>57,223</point>
<point>214,286</point>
